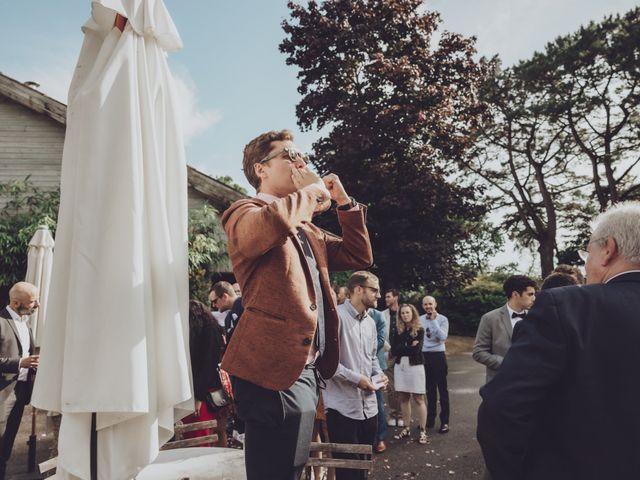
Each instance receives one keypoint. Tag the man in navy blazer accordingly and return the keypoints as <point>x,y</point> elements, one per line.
<point>565,403</point>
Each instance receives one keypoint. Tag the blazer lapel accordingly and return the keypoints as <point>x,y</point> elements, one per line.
<point>320,255</point>
<point>506,321</point>
<point>7,316</point>
<point>305,264</point>
<point>318,252</point>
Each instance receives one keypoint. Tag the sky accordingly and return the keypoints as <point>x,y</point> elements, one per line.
<point>232,80</point>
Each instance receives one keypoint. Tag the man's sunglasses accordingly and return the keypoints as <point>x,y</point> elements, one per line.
<point>293,155</point>
<point>373,289</point>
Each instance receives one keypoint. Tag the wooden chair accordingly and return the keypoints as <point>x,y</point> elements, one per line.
<point>332,463</point>
<point>48,467</point>
<point>181,428</point>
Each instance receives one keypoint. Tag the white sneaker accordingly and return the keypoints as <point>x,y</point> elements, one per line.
<point>392,422</point>
<point>400,422</point>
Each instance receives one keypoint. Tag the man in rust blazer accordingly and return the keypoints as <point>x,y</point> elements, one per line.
<point>288,335</point>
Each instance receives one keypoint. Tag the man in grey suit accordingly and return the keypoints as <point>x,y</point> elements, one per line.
<point>17,364</point>
<point>493,338</point>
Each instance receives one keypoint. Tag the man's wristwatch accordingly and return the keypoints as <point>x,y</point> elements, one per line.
<point>348,206</point>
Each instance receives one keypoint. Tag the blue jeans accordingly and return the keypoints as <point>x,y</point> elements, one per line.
<point>382,418</point>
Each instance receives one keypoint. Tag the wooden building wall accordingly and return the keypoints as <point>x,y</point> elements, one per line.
<point>30,144</point>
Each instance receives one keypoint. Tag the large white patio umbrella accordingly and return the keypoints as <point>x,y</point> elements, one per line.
<point>39,261</point>
<point>116,339</point>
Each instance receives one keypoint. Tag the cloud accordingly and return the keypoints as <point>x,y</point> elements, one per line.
<point>54,77</point>
<point>516,29</point>
<point>195,120</point>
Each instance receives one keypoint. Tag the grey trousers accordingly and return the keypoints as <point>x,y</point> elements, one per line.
<point>278,426</point>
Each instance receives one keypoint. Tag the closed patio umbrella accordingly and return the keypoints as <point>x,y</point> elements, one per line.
<point>115,349</point>
<point>39,261</point>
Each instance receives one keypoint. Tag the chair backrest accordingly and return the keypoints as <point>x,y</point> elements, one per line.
<point>181,428</point>
<point>48,467</point>
<point>331,448</point>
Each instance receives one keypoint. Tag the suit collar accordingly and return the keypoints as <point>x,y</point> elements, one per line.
<point>506,321</point>
<point>6,315</point>
<point>629,276</point>
<point>266,198</point>
<point>14,315</point>
<point>314,244</point>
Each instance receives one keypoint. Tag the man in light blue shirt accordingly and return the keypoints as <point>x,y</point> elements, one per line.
<point>436,330</point>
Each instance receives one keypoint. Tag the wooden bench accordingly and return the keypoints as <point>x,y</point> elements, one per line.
<point>332,463</point>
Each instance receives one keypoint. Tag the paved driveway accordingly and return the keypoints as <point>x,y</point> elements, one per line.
<point>455,455</point>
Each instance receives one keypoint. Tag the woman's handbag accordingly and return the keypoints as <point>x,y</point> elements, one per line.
<point>222,397</point>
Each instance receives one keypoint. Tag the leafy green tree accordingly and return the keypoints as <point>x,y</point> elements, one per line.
<point>529,165</point>
<point>24,208</point>
<point>228,181</point>
<point>465,305</point>
<point>564,131</point>
<point>592,78</point>
<point>207,250</point>
<point>394,110</point>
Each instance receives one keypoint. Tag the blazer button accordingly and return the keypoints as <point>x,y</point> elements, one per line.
<point>306,342</point>
<point>313,307</point>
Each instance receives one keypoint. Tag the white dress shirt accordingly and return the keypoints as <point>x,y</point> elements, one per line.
<point>25,340</point>
<point>358,357</point>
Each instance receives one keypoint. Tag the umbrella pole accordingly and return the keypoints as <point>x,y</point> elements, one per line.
<point>94,448</point>
<point>31,462</point>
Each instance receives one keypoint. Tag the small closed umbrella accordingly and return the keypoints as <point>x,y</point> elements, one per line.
<point>39,262</point>
<point>115,354</point>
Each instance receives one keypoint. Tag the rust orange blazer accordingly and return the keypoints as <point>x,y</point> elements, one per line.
<point>272,341</point>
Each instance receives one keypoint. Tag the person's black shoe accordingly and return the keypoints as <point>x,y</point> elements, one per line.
<point>444,428</point>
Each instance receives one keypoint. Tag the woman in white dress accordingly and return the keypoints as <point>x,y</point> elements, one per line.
<point>408,370</point>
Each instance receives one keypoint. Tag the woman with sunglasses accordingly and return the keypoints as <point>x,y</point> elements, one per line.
<point>409,380</point>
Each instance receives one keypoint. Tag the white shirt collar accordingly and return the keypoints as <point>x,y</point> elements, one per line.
<point>622,273</point>
<point>266,197</point>
<point>512,311</point>
<point>14,315</point>
<point>353,312</point>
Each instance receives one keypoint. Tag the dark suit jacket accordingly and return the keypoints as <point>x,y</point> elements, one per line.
<point>271,343</point>
<point>11,352</point>
<point>565,403</point>
<point>206,346</point>
<point>233,317</point>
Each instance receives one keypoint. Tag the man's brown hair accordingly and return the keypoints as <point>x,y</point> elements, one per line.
<point>220,288</point>
<point>570,270</point>
<point>257,149</point>
<point>360,279</point>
